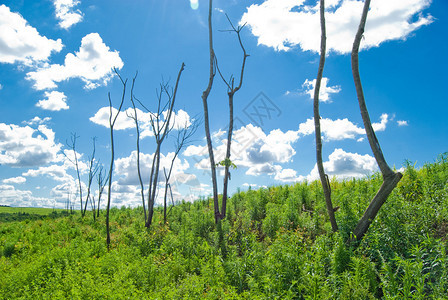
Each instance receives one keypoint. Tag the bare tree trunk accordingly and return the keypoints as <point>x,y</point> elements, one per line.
<point>112,121</point>
<point>183,138</point>
<point>160,133</point>
<point>227,159</point>
<point>205,95</point>
<point>231,92</point>
<point>323,177</point>
<point>101,180</point>
<point>75,162</point>
<point>137,127</point>
<point>93,169</point>
<point>390,178</point>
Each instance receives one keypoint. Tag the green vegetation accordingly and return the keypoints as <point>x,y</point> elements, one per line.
<point>9,214</point>
<point>276,243</point>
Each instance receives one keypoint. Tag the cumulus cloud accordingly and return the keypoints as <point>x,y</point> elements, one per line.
<point>55,172</point>
<point>14,180</point>
<point>251,148</point>
<point>93,64</point>
<point>288,23</point>
<point>126,167</point>
<point>324,91</point>
<point>9,195</point>
<point>27,147</point>
<point>381,126</point>
<point>340,129</point>
<point>288,175</point>
<point>101,117</point>
<point>66,14</point>
<point>22,43</point>
<point>402,123</point>
<point>179,120</point>
<point>37,121</point>
<point>343,164</point>
<point>55,101</point>
<point>128,183</point>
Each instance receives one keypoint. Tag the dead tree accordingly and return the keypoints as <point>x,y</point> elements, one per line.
<point>93,169</point>
<point>112,120</point>
<point>205,94</point>
<point>183,138</point>
<point>231,90</point>
<point>102,181</point>
<point>160,129</point>
<point>137,127</point>
<point>323,177</point>
<point>390,178</point>
<point>74,161</point>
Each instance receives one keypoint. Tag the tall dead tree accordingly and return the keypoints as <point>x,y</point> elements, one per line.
<point>137,127</point>
<point>93,169</point>
<point>74,161</point>
<point>231,90</point>
<point>323,177</point>
<point>205,94</point>
<point>160,130</point>
<point>390,178</point>
<point>183,137</point>
<point>112,120</point>
<point>101,180</point>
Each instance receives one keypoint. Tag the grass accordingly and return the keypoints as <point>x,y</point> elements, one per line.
<point>27,210</point>
<point>276,243</point>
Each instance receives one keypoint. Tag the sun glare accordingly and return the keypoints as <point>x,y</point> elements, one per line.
<point>194,4</point>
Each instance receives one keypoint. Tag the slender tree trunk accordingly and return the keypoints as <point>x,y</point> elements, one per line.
<point>390,178</point>
<point>323,177</point>
<point>205,95</point>
<point>112,149</point>
<point>227,159</point>
<point>112,145</point>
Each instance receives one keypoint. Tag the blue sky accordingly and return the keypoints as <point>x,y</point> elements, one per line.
<point>56,60</point>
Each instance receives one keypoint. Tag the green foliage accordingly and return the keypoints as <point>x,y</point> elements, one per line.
<point>276,243</point>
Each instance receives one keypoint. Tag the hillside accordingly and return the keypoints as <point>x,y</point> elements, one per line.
<point>276,243</point>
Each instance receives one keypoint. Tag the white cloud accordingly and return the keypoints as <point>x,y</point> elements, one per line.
<point>288,175</point>
<point>194,4</point>
<point>93,64</point>
<point>402,123</point>
<point>251,148</point>
<point>14,180</point>
<point>56,172</point>
<point>382,125</point>
<point>123,122</point>
<point>287,23</point>
<point>332,130</point>
<point>55,101</point>
<point>20,42</point>
<point>27,147</point>
<point>178,120</point>
<point>37,121</point>
<point>1,86</point>
<point>127,177</point>
<point>66,14</point>
<point>324,91</point>
<point>126,167</point>
<point>340,129</point>
<point>9,195</point>
<point>343,164</point>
